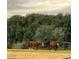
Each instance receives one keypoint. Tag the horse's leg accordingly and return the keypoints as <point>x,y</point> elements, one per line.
<point>38,45</point>
<point>55,48</point>
<point>29,46</point>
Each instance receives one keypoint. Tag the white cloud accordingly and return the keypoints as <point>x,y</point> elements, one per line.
<point>23,7</point>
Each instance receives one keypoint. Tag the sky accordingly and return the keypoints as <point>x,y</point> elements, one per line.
<point>24,7</point>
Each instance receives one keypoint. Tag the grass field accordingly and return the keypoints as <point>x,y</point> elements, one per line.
<point>36,54</point>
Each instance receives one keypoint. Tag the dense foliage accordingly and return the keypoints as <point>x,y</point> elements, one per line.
<point>21,29</point>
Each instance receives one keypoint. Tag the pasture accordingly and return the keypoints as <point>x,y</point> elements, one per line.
<point>36,54</point>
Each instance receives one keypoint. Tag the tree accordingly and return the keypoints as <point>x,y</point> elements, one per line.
<point>38,27</point>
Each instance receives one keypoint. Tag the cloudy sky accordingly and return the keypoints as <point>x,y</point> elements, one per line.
<point>23,7</point>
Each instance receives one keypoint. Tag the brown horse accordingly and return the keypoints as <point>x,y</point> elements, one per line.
<point>35,43</point>
<point>53,44</point>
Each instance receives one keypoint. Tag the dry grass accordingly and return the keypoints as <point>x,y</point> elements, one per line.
<point>36,54</point>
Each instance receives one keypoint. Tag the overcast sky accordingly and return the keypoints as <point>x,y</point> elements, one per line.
<point>23,7</point>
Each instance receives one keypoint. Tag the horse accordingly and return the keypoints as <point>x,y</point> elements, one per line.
<point>35,44</point>
<point>53,44</point>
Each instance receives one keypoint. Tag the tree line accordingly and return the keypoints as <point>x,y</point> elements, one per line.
<point>22,29</point>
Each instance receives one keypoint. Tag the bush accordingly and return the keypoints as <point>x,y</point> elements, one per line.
<point>22,45</point>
